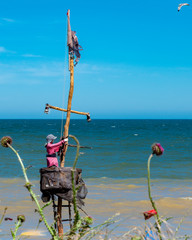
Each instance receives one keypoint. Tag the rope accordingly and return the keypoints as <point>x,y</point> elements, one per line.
<point>82,210</point>
<point>65,77</point>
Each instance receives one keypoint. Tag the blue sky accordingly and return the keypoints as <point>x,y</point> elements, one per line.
<point>136,62</point>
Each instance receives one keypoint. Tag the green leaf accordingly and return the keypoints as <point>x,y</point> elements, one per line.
<point>46,205</point>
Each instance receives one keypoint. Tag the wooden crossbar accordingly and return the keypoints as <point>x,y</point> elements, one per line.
<point>65,110</point>
<point>47,107</point>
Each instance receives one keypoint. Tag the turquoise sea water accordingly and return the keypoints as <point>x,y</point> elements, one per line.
<point>115,170</point>
<point>120,148</point>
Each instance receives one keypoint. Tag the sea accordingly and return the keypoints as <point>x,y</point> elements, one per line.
<point>113,159</point>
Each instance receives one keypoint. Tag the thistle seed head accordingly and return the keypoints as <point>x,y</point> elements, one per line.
<point>5,140</point>
<point>157,149</point>
<point>21,218</point>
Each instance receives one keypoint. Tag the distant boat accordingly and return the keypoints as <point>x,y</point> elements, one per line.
<point>181,5</point>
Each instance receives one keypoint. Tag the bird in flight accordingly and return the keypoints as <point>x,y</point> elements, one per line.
<point>181,5</point>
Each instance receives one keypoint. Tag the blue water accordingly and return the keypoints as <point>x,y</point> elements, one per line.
<point>120,148</point>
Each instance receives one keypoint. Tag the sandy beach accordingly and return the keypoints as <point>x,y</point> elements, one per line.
<point>106,197</point>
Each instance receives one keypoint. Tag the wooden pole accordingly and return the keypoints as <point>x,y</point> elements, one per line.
<point>66,127</point>
<point>65,134</point>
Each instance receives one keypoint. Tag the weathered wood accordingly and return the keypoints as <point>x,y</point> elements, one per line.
<point>65,134</point>
<point>59,217</point>
<point>65,110</point>
<point>66,127</point>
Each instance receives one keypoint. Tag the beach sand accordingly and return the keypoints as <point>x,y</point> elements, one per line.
<point>106,197</point>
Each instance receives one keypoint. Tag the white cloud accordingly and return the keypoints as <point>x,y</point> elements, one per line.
<point>44,70</point>
<point>30,72</point>
<point>8,20</point>
<point>30,56</point>
<point>2,49</point>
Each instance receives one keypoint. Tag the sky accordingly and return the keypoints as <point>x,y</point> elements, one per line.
<point>135,64</point>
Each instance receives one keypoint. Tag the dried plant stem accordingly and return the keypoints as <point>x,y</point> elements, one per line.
<point>95,230</point>
<point>3,215</point>
<point>150,197</point>
<point>28,185</point>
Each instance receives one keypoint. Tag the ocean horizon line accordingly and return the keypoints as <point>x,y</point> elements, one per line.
<point>98,119</point>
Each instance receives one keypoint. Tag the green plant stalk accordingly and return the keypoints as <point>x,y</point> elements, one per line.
<point>77,216</point>
<point>77,152</point>
<point>17,225</point>
<point>150,197</point>
<point>28,186</point>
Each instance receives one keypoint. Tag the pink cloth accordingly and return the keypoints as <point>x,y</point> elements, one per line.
<point>51,149</point>
<point>52,161</point>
